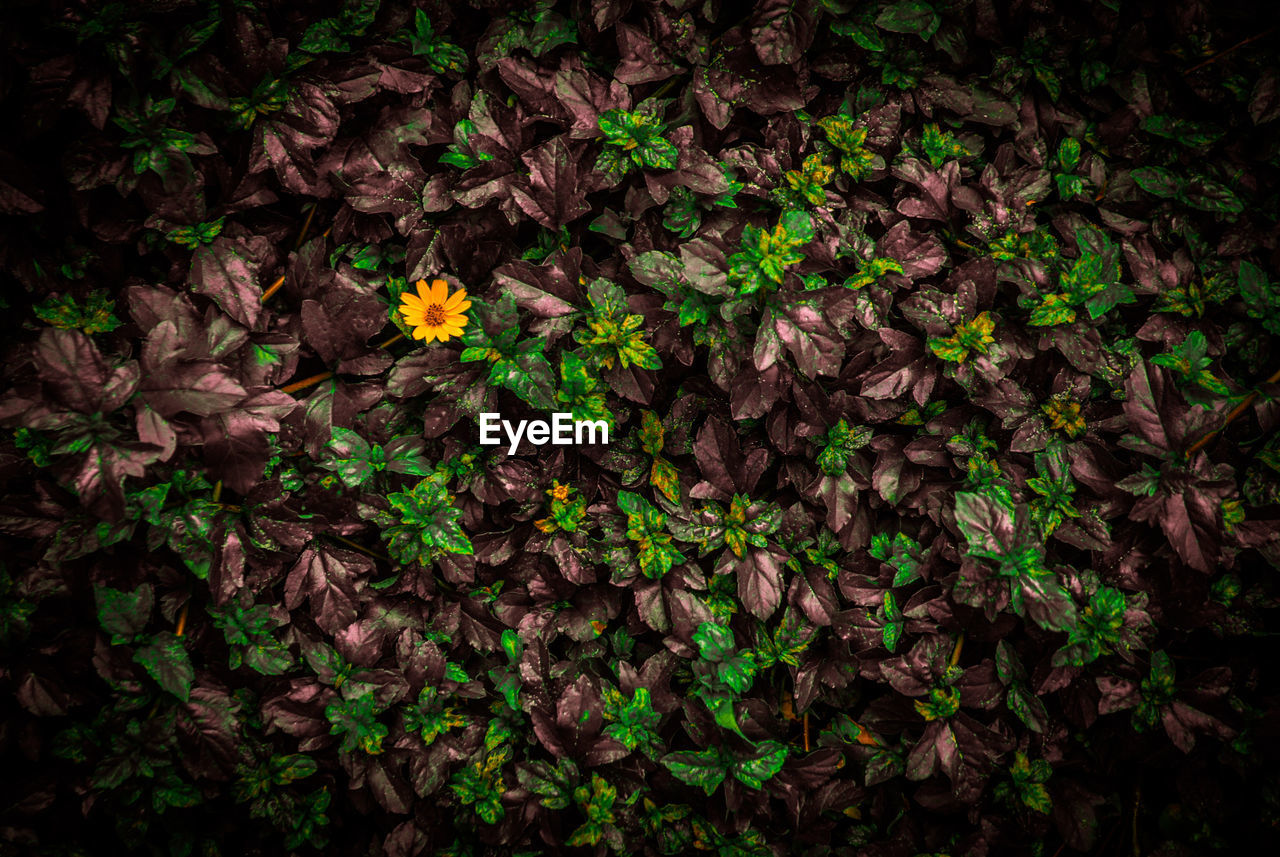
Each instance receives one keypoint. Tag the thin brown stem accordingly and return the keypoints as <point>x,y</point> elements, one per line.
<point>359,547</point>
<point>1231,417</point>
<point>306,382</point>
<point>806,732</point>
<point>306,224</point>
<point>273,288</point>
<point>182,620</point>
<point>955,653</point>
<point>392,340</point>
<point>1220,54</point>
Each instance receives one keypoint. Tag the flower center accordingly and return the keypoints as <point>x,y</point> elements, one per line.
<point>433,315</point>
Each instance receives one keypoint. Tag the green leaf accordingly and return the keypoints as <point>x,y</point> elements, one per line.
<point>986,523</point>
<point>646,526</point>
<point>1111,296</point>
<point>166,661</point>
<point>704,768</point>
<point>715,642</point>
<point>763,764</point>
<point>1041,596</point>
<point>124,614</point>
<point>948,349</point>
<point>659,153</point>
<point>554,785</point>
<point>766,254</point>
<point>613,334</point>
<point>1069,154</point>
<point>356,720</point>
<point>1261,297</point>
<point>1053,309</point>
<point>348,455</point>
<point>424,523</point>
<point>1157,181</point>
<point>636,723</point>
<point>63,311</point>
<point>1211,196</point>
<point>864,35</point>
<point>910,16</point>
<point>291,768</point>
<point>1195,135</point>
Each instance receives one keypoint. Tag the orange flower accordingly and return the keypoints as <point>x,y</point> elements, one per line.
<point>433,313</point>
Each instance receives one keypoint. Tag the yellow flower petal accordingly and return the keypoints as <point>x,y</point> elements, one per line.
<point>456,298</point>
<point>439,291</point>
<point>409,299</point>
<point>424,291</point>
<point>460,308</point>
<point>419,332</point>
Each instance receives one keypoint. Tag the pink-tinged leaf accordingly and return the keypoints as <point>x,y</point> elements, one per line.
<point>718,91</point>
<point>760,581</point>
<point>1189,520</point>
<point>585,95</point>
<point>1150,411</point>
<point>235,441</point>
<point>386,785</point>
<point>814,594</point>
<point>1117,694</point>
<point>642,59</point>
<point>814,345</point>
<point>922,761</point>
<point>226,575</point>
<point>725,469</point>
<point>549,290</point>
<point>985,523</point>
<point>70,364</point>
<point>755,392</point>
<point>920,253</point>
<point>201,387</point>
<point>387,194</point>
<point>227,271</point>
<point>326,577</point>
<point>1074,814</point>
<point>768,347</point>
<point>840,495</point>
<point>555,194</point>
<point>156,430</point>
<point>781,30</point>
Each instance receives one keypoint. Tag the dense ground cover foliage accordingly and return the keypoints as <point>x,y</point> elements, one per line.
<point>914,322</point>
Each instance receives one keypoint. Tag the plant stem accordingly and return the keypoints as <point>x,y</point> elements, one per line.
<point>359,547</point>
<point>1220,54</point>
<point>1231,417</point>
<point>182,620</point>
<point>272,289</point>
<point>306,382</point>
<point>955,653</point>
<point>302,236</point>
<point>306,224</point>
